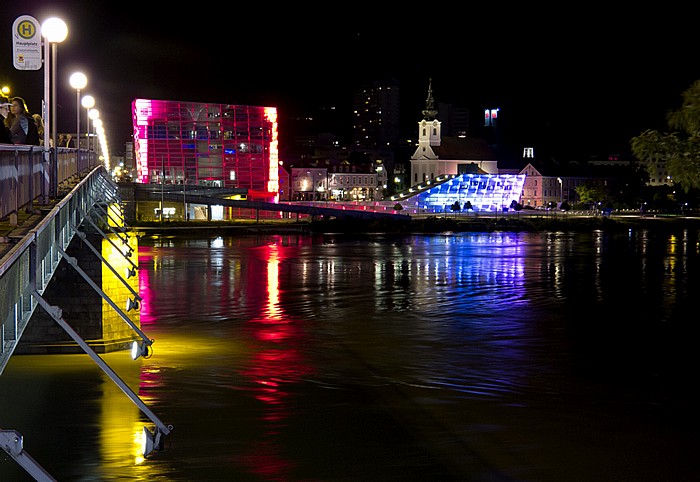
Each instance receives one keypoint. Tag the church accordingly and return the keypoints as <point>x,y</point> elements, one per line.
<point>437,156</point>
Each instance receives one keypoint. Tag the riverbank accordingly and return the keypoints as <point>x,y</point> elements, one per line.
<point>428,224</point>
<point>554,223</point>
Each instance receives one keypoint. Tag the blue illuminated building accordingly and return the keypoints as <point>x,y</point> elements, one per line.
<point>485,192</point>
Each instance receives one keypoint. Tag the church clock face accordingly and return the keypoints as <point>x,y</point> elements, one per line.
<point>423,123</point>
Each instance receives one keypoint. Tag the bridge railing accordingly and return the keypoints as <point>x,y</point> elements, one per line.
<point>31,263</point>
<point>25,177</point>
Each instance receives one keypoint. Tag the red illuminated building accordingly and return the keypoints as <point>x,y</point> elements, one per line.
<point>203,144</point>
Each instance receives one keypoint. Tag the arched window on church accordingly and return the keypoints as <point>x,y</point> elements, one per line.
<point>423,132</point>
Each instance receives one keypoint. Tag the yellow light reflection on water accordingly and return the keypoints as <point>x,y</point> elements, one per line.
<point>115,252</point>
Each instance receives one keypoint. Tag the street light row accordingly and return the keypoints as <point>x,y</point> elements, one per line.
<point>54,30</point>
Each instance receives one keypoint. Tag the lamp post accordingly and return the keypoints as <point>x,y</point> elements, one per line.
<point>97,127</point>
<point>54,31</point>
<point>92,115</point>
<point>88,102</point>
<point>78,81</point>
<point>561,192</point>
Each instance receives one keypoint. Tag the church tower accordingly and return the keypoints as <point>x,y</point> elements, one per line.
<point>437,155</point>
<point>428,137</point>
<point>429,127</point>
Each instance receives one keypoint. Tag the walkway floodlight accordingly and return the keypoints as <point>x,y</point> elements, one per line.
<point>152,441</point>
<point>132,304</point>
<point>142,350</point>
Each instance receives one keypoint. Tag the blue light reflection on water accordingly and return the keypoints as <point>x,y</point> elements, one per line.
<point>398,358</point>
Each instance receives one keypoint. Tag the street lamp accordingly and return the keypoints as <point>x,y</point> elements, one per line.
<point>54,31</point>
<point>78,81</point>
<point>97,128</point>
<point>561,192</point>
<point>88,102</point>
<point>99,135</point>
<point>93,114</point>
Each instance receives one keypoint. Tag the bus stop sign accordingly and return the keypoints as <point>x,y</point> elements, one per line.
<point>26,43</point>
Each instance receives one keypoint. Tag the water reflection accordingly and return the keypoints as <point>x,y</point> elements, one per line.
<point>446,357</point>
<point>275,364</point>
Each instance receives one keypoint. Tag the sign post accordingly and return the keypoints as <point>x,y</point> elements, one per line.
<point>26,43</point>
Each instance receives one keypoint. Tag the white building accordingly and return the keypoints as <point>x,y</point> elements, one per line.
<point>436,156</point>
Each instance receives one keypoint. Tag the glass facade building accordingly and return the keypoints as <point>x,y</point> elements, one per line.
<point>223,145</point>
<point>485,192</point>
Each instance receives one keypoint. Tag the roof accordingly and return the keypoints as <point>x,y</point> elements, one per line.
<point>571,169</point>
<point>466,148</point>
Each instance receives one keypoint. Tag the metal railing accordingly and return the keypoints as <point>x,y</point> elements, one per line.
<point>25,177</point>
<point>32,261</point>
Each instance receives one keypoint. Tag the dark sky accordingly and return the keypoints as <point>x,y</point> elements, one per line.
<point>589,79</point>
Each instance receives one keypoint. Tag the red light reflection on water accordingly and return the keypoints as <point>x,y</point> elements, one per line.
<point>276,361</point>
<point>146,315</point>
<point>278,364</point>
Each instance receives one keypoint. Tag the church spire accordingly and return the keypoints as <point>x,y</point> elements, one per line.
<point>430,112</point>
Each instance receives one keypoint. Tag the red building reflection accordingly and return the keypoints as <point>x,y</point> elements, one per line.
<point>276,364</point>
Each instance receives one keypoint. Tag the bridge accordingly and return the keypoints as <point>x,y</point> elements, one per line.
<point>44,206</point>
<point>177,194</point>
<point>64,195</point>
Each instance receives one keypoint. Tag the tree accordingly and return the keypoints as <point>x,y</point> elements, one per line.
<point>590,193</point>
<point>679,149</point>
<point>456,207</point>
<point>398,207</point>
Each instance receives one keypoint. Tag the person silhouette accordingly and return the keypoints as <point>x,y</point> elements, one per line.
<point>23,128</point>
<point>5,134</point>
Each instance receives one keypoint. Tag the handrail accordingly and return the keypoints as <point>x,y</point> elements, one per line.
<point>26,178</point>
<point>33,260</point>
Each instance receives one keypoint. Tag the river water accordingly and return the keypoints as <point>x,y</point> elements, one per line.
<point>545,356</point>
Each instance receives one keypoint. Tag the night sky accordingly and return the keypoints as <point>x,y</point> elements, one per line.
<point>587,80</point>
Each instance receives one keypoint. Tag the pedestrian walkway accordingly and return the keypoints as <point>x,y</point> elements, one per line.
<point>11,233</point>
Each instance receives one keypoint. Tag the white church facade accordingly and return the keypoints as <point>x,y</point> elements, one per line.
<point>436,156</point>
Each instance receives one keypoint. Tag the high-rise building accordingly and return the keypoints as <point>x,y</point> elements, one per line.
<point>376,115</point>
<point>206,144</point>
<point>455,120</point>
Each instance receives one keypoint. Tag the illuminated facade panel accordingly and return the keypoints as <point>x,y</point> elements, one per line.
<point>485,192</point>
<point>232,146</point>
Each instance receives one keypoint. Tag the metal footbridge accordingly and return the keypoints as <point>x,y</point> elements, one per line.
<point>76,194</point>
<point>90,196</point>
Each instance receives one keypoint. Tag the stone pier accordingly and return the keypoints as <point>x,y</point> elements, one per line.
<point>83,307</point>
